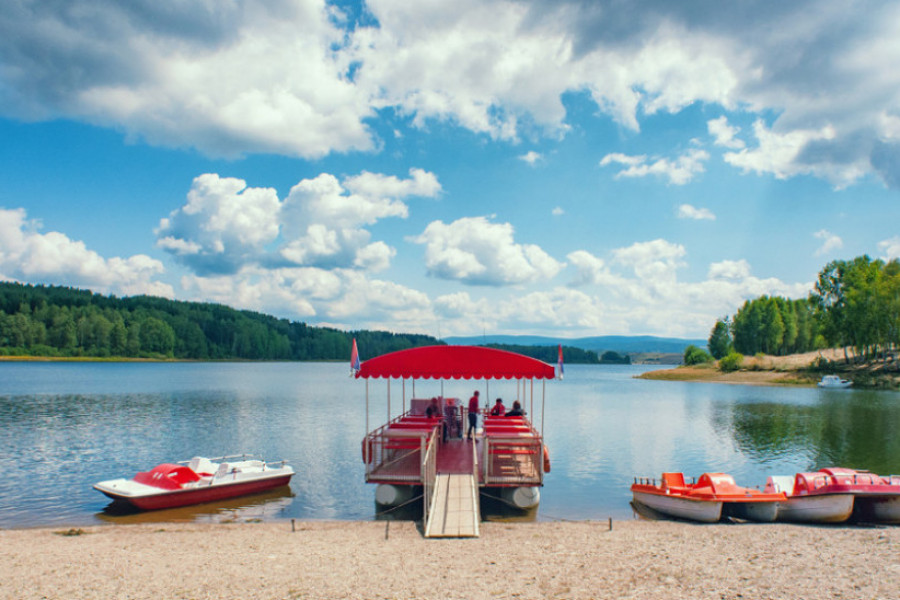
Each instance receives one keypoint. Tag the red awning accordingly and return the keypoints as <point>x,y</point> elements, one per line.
<point>455,362</point>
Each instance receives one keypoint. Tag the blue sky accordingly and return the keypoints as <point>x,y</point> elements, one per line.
<point>450,168</point>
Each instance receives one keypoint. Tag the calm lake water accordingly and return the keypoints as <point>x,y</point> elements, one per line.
<point>66,426</point>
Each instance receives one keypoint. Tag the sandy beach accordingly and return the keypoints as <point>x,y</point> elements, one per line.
<point>372,559</point>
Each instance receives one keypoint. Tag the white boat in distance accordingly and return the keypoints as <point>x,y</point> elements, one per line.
<point>834,382</point>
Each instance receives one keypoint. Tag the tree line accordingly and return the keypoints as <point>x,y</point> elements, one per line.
<point>550,354</point>
<point>60,321</point>
<point>855,305</point>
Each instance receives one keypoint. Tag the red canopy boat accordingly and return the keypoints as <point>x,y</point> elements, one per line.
<point>507,453</point>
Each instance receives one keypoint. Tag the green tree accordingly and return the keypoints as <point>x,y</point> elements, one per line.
<point>772,327</point>
<point>62,333</point>
<point>133,342</point>
<point>157,337</point>
<point>118,337</point>
<point>720,342</point>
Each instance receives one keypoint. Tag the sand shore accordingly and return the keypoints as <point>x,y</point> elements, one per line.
<point>371,559</point>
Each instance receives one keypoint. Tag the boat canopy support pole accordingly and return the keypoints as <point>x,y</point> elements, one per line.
<point>366,446</point>
<point>388,379</point>
<point>531,406</point>
<point>543,403</point>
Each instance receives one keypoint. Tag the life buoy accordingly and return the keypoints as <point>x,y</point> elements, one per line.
<point>367,458</point>
<point>546,459</point>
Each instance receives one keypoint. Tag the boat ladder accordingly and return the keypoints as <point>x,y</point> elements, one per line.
<point>454,507</point>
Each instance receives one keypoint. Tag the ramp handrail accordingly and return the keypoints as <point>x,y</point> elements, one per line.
<point>429,472</point>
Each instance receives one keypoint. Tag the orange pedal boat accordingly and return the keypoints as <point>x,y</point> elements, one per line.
<point>713,496</point>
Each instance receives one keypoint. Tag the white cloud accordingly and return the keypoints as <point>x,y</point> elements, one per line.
<point>623,159</point>
<point>890,247</point>
<point>786,155</point>
<point>532,157</point>
<point>299,78</point>
<point>223,225</point>
<point>325,201</point>
<point>226,226</point>
<point>421,183</point>
<point>889,127</point>
<point>652,261</point>
<point>639,289</point>
<point>311,292</point>
<point>27,255</point>
<point>374,257</point>
<point>724,133</point>
<point>830,242</point>
<point>686,211</point>
<point>591,270</point>
<point>729,269</point>
<point>475,251</point>
<point>622,296</point>
<point>566,309</point>
<point>225,79</point>
<point>679,171</point>
<point>557,211</point>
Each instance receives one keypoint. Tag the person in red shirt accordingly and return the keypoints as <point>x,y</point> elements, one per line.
<point>473,414</point>
<point>499,410</point>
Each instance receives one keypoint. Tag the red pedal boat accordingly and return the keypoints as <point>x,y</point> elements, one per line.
<point>200,480</point>
<point>713,496</point>
<point>829,496</point>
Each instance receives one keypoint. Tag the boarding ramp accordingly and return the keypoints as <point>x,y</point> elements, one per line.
<point>452,510</point>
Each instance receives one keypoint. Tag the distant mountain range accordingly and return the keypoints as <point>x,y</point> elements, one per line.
<point>642,344</point>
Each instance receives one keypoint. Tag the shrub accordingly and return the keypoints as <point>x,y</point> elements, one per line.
<point>696,356</point>
<point>731,362</point>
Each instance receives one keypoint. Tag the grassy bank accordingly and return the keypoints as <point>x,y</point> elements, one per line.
<point>798,369</point>
<point>93,359</point>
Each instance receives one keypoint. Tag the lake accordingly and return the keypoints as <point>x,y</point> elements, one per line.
<point>68,425</point>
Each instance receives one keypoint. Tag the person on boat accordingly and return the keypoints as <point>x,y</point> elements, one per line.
<point>516,410</point>
<point>433,410</point>
<point>451,425</point>
<point>498,410</point>
<point>473,415</point>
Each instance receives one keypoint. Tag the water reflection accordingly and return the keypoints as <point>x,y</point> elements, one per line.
<point>265,506</point>
<point>856,430</point>
<point>67,426</point>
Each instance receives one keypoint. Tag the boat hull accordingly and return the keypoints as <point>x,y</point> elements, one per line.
<point>879,509</point>
<point>761,512</point>
<point>703,511</point>
<point>200,495</point>
<point>822,508</point>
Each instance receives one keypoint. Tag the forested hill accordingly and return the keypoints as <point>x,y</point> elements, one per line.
<point>63,322</point>
<point>550,354</point>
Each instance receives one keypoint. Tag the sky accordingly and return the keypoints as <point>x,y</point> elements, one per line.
<point>543,167</point>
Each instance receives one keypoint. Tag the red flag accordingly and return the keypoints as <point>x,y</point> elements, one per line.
<point>354,359</point>
<point>560,363</point>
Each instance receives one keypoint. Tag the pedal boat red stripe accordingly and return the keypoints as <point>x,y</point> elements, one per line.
<point>173,485</point>
<point>832,495</point>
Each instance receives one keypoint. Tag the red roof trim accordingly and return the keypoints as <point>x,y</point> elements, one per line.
<point>455,362</point>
